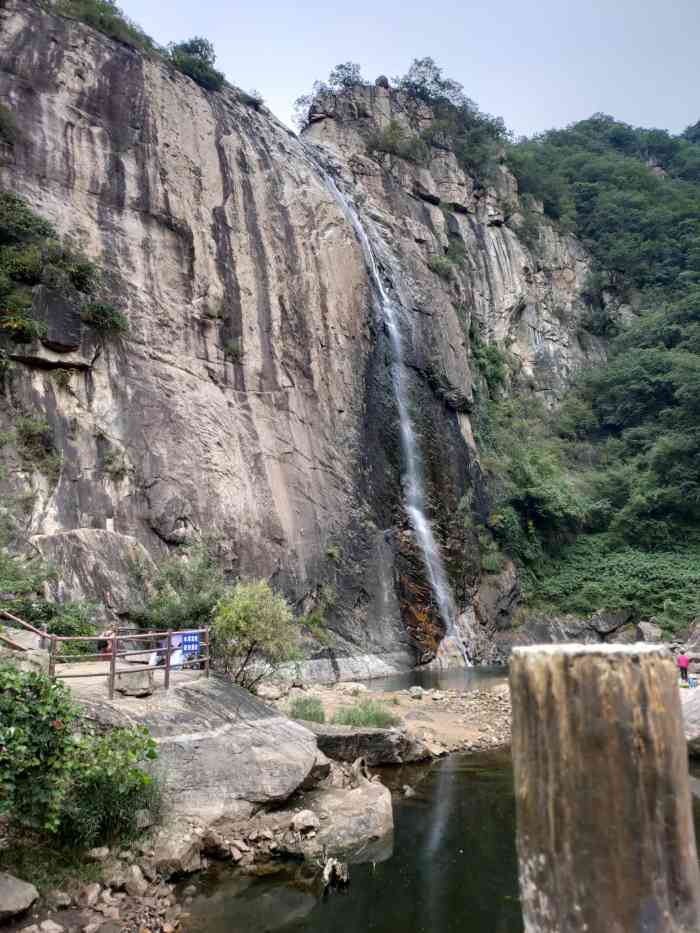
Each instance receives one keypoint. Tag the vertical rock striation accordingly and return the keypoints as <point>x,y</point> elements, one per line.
<point>250,400</point>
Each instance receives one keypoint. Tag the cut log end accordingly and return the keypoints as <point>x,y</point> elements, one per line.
<point>605,829</point>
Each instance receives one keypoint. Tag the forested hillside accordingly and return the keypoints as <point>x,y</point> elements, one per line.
<point>600,504</point>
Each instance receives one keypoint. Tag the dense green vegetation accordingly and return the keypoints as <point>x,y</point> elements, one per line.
<point>22,583</point>
<point>182,593</point>
<point>253,632</point>
<point>195,58</point>
<point>59,780</point>
<point>633,195</point>
<point>600,504</point>
<point>108,18</point>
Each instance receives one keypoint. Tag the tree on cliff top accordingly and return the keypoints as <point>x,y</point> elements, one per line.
<point>425,81</point>
<point>195,58</point>
<point>342,78</point>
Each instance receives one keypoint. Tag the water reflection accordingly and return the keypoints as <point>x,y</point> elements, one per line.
<point>453,867</point>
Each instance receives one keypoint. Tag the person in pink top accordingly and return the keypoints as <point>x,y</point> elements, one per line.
<point>682,662</point>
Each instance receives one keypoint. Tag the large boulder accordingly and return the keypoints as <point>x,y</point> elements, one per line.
<point>649,631</point>
<point>59,312</point>
<point>177,849</point>
<point>135,683</point>
<point>605,622</point>
<point>96,565</point>
<point>376,746</point>
<point>351,822</point>
<point>16,896</point>
<point>221,752</point>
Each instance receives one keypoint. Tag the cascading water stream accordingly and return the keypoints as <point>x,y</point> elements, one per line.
<point>414,492</point>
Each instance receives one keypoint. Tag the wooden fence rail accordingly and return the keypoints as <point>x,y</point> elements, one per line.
<point>112,654</point>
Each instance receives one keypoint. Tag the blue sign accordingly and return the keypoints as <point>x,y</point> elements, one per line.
<point>190,643</point>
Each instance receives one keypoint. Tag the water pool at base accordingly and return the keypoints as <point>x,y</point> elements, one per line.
<point>469,678</point>
<point>453,867</point>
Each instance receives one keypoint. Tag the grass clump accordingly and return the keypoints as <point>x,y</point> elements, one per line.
<point>441,266</point>
<point>308,708</point>
<point>366,713</point>
<point>104,317</point>
<point>48,866</point>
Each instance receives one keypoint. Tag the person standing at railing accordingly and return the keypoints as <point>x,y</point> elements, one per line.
<point>104,643</point>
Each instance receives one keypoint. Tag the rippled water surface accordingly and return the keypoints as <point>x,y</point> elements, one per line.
<point>453,867</point>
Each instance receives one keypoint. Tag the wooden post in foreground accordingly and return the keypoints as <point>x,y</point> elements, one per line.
<point>605,828</point>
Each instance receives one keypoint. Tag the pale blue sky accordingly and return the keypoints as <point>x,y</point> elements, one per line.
<point>536,65</point>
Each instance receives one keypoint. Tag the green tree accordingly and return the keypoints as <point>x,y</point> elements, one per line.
<point>183,592</point>
<point>253,632</point>
<point>196,57</point>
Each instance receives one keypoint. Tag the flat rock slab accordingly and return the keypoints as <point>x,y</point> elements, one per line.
<point>220,750</point>
<point>376,746</point>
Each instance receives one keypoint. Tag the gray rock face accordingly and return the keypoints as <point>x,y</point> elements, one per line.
<point>649,631</point>
<point>376,746</point>
<point>251,398</point>
<point>16,896</point>
<point>220,750</point>
<point>95,564</point>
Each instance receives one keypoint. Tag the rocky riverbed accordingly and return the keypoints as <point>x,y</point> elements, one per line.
<point>431,723</point>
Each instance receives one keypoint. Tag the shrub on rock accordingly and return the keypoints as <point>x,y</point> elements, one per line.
<point>253,632</point>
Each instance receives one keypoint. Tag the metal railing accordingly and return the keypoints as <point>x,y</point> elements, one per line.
<point>112,654</point>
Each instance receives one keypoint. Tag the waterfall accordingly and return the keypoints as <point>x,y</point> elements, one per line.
<point>414,490</point>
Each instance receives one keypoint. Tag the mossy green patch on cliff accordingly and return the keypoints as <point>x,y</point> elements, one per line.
<point>32,254</point>
<point>8,125</point>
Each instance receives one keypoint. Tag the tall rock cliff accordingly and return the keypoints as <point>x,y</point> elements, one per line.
<point>250,401</point>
